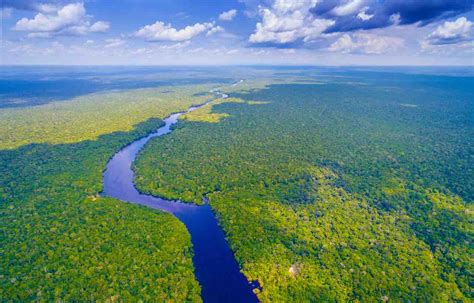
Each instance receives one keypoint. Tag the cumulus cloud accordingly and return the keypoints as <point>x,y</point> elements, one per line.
<point>348,7</point>
<point>99,27</point>
<point>362,15</point>
<point>67,16</point>
<point>366,43</point>
<point>215,30</point>
<point>351,15</point>
<point>68,20</point>
<point>228,16</point>
<point>159,31</point>
<point>451,32</point>
<point>286,22</point>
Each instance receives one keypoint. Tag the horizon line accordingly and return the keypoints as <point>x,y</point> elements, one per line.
<point>237,65</point>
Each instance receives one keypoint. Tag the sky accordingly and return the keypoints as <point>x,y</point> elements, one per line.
<point>237,32</point>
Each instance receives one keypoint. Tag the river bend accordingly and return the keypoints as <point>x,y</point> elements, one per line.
<point>215,266</point>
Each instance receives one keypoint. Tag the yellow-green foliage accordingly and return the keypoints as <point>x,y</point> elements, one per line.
<point>87,117</point>
<point>205,114</point>
<point>257,102</point>
<point>395,187</point>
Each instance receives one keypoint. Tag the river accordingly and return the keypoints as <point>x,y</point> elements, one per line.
<point>215,266</point>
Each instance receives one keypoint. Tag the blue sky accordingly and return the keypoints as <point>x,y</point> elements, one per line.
<point>290,32</point>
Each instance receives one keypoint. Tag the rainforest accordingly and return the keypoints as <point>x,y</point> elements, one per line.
<point>236,184</point>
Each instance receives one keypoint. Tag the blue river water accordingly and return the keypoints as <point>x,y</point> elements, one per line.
<point>216,269</point>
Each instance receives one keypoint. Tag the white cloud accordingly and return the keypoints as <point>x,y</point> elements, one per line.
<point>362,15</point>
<point>366,43</point>
<point>99,27</point>
<point>315,29</point>
<point>451,32</point>
<point>113,43</point>
<point>178,45</point>
<point>215,30</point>
<point>344,44</point>
<point>46,8</point>
<point>142,51</point>
<point>228,16</point>
<point>395,19</point>
<point>465,48</point>
<point>260,52</point>
<point>160,31</point>
<point>69,15</point>
<point>287,22</point>
<point>348,8</point>
<point>68,20</point>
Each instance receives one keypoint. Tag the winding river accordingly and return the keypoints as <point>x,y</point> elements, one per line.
<point>215,267</point>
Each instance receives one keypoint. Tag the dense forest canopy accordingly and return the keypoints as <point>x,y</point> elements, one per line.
<point>354,188</point>
<point>331,184</point>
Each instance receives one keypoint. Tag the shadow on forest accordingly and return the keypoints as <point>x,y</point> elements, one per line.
<point>71,165</point>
